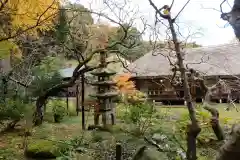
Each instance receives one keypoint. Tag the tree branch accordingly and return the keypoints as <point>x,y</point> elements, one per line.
<point>3,4</point>
<point>18,82</point>
<point>158,11</point>
<point>181,10</point>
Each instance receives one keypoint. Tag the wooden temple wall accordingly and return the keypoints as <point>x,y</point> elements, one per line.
<point>159,89</point>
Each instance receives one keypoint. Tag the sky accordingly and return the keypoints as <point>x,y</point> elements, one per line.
<point>198,16</point>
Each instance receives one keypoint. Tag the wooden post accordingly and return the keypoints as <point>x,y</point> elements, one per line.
<point>5,89</point>
<point>77,99</point>
<point>67,100</point>
<point>82,100</point>
<point>118,151</point>
<point>45,107</point>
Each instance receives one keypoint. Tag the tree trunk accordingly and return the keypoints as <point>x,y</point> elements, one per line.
<point>231,149</point>
<point>38,115</point>
<point>215,123</point>
<point>193,129</point>
<point>41,100</point>
<point>214,112</point>
<point>83,100</point>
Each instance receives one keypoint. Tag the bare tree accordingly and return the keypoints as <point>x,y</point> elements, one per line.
<point>174,49</point>
<point>193,129</point>
<point>230,150</point>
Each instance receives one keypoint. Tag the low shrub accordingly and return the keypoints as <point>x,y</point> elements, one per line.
<point>13,110</point>
<point>72,149</point>
<point>140,115</point>
<point>70,111</point>
<point>59,110</point>
<point>64,150</point>
<point>96,137</point>
<point>206,141</point>
<point>136,97</point>
<point>204,120</point>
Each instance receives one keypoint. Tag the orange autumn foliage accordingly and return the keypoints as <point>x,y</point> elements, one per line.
<point>127,88</point>
<point>123,83</point>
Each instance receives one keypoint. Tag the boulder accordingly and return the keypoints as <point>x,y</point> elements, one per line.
<point>231,148</point>
<point>159,138</point>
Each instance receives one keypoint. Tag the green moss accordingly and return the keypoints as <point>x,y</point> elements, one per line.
<point>7,153</point>
<point>42,149</point>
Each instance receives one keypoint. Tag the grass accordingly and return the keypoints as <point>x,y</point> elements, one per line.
<point>231,115</point>
<point>11,143</point>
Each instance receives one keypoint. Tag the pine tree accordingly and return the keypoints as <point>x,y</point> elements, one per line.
<point>62,28</point>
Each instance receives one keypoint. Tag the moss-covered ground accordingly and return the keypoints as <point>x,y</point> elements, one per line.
<point>97,144</point>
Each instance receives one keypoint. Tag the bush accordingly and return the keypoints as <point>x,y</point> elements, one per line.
<point>139,114</point>
<point>70,149</point>
<point>59,110</point>
<point>206,140</point>
<point>204,118</point>
<point>136,97</point>
<point>96,137</point>
<point>61,150</point>
<point>13,111</point>
<point>70,111</point>
<point>45,149</point>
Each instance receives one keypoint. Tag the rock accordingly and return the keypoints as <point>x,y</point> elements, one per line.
<point>42,149</point>
<point>145,153</point>
<point>81,150</point>
<point>159,138</point>
<point>153,154</point>
<point>231,147</point>
<point>84,157</point>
